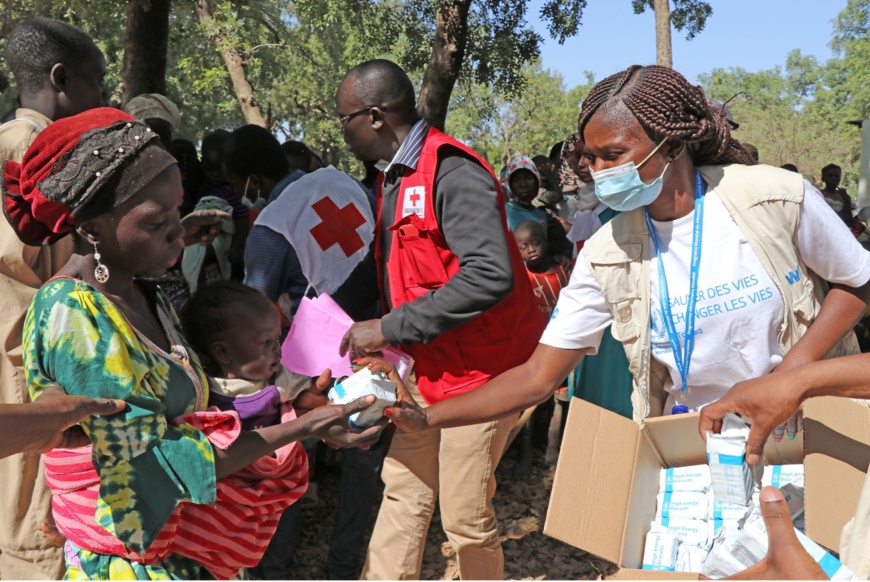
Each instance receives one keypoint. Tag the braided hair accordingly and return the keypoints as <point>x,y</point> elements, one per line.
<point>667,105</point>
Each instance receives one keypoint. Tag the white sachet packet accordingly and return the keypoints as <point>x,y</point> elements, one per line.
<point>692,478</point>
<point>660,551</point>
<point>691,558</point>
<point>361,384</point>
<point>725,511</point>
<point>694,532</point>
<point>683,505</point>
<point>726,454</point>
<point>779,475</point>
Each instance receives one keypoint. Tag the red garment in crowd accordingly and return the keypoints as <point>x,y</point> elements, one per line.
<point>546,287</point>
<point>223,537</point>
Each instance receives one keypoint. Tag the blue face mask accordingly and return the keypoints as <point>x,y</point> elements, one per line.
<point>621,188</point>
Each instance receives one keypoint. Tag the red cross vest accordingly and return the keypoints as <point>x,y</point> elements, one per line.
<point>466,357</point>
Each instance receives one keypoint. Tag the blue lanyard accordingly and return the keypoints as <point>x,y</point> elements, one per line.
<point>682,357</point>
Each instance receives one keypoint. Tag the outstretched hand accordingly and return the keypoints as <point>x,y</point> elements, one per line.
<point>202,226</point>
<point>331,424</point>
<point>786,558</point>
<point>769,401</point>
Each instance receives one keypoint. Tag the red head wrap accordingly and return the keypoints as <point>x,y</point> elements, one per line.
<point>68,164</point>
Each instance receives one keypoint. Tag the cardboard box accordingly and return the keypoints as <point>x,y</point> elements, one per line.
<point>604,494</point>
<point>837,456</point>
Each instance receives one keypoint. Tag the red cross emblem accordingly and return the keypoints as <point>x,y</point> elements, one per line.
<point>338,227</point>
<point>414,197</point>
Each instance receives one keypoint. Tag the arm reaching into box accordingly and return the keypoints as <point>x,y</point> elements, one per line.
<point>770,400</point>
<point>786,558</point>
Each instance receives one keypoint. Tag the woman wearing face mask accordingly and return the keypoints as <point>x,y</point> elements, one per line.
<point>710,275</point>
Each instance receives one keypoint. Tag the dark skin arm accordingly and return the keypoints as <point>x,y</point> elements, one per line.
<point>510,392</point>
<point>840,312</point>
<point>772,399</point>
<point>327,422</point>
<point>50,422</point>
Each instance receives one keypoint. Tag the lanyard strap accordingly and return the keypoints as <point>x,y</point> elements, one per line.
<point>682,357</point>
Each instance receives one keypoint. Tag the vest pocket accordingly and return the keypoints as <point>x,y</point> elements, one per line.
<point>421,262</point>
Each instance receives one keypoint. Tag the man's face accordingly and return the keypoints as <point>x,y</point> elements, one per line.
<point>356,125</point>
<point>84,88</point>
<point>831,177</point>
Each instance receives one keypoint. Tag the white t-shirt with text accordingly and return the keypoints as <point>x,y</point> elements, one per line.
<point>739,309</point>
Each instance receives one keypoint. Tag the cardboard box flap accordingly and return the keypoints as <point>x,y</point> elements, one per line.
<point>593,480</point>
<point>850,442</point>
<point>677,440</point>
<point>837,456</point>
<point>784,452</point>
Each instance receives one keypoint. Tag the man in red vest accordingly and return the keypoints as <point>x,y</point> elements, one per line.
<point>454,296</point>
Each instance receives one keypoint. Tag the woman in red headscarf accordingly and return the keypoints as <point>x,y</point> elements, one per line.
<point>162,494</point>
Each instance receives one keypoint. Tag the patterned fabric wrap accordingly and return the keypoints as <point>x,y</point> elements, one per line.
<point>68,163</point>
<point>568,180</point>
<point>518,161</point>
<point>223,537</point>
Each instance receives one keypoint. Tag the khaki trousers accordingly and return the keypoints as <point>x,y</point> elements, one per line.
<point>457,463</point>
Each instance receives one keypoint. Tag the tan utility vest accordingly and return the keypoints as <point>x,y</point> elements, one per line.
<point>765,203</point>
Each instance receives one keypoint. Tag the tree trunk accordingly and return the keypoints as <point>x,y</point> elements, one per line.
<point>664,56</point>
<point>145,44</point>
<point>235,66</point>
<point>448,52</point>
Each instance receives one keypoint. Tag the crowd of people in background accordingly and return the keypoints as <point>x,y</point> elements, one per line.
<point>145,275</point>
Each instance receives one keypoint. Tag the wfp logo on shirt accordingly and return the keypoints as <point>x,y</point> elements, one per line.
<point>793,276</point>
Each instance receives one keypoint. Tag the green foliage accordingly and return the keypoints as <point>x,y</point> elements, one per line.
<point>686,15</point>
<point>497,126</point>
<point>784,113</point>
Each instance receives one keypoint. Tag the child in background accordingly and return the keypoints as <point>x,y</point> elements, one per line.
<point>546,275</point>
<point>235,331</point>
<point>521,183</point>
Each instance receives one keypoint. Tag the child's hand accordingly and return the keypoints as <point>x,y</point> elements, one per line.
<point>405,414</point>
<point>330,423</point>
<point>48,532</point>
<point>313,397</point>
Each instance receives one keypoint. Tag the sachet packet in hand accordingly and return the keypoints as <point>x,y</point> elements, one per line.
<point>363,383</point>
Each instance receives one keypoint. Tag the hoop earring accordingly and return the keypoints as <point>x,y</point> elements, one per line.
<point>101,273</point>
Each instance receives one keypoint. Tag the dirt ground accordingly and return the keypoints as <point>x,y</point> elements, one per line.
<point>521,506</point>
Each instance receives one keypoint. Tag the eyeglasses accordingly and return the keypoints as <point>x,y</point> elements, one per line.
<point>344,119</point>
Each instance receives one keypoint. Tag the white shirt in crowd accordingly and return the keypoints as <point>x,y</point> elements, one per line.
<point>739,309</point>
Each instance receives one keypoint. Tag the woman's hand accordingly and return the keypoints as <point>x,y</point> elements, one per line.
<point>202,226</point>
<point>405,414</point>
<point>769,401</point>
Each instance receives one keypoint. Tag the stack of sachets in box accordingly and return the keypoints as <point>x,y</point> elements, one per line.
<point>708,519</point>
<point>682,532</point>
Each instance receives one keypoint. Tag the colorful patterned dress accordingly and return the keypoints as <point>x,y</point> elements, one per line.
<point>75,337</point>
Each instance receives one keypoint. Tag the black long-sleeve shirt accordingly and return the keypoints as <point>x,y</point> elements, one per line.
<point>466,208</point>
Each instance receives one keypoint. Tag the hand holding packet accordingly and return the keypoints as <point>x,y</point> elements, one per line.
<point>726,454</point>
<point>361,384</point>
<point>734,550</point>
